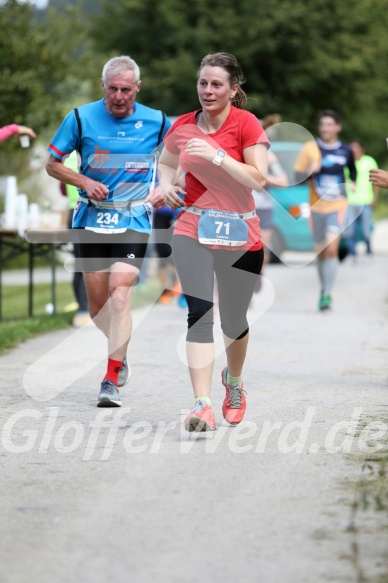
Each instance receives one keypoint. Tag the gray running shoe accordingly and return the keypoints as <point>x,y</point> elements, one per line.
<point>124,374</point>
<point>109,395</point>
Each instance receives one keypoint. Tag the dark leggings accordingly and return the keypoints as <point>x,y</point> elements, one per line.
<point>236,273</point>
<point>79,287</point>
<point>163,249</point>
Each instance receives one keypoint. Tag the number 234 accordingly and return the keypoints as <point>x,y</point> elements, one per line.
<point>107,218</point>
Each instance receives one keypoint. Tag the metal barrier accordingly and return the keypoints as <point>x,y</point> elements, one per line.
<point>11,246</point>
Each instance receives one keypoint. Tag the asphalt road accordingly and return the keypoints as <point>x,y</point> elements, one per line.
<point>97,495</point>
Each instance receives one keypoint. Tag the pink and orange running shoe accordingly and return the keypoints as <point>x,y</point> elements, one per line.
<point>200,418</point>
<point>235,403</point>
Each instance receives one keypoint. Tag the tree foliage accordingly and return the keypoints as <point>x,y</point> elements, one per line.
<point>298,57</point>
<point>41,60</point>
<point>46,63</point>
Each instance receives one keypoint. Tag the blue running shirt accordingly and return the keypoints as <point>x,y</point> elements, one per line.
<point>121,153</point>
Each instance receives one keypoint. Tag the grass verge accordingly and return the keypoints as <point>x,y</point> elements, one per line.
<point>17,327</point>
<point>370,501</point>
<point>371,489</point>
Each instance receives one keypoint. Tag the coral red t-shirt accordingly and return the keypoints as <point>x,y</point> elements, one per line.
<point>209,186</point>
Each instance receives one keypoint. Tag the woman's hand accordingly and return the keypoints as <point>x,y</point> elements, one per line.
<point>201,148</point>
<point>172,198</point>
<point>156,198</point>
<point>27,131</point>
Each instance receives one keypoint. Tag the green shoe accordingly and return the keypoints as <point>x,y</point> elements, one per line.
<point>325,302</point>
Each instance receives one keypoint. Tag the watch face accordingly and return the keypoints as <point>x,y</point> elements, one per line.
<point>220,155</point>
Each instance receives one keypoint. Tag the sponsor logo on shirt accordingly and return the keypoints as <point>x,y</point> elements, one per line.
<point>137,167</point>
<point>100,156</point>
<point>333,159</point>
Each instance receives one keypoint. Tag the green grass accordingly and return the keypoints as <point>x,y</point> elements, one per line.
<point>15,299</point>
<point>17,327</point>
<point>372,486</point>
<point>13,332</point>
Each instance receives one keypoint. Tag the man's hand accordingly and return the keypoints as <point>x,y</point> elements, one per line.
<point>95,190</point>
<point>378,177</point>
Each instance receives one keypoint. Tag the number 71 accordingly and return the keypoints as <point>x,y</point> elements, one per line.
<point>220,225</point>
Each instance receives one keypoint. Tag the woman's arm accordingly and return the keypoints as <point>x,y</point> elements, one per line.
<point>251,173</point>
<point>10,130</point>
<point>26,130</point>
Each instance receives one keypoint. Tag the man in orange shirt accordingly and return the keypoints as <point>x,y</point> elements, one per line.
<point>322,162</point>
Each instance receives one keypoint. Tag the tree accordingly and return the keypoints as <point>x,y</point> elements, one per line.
<point>298,58</point>
<point>40,61</point>
<point>45,67</point>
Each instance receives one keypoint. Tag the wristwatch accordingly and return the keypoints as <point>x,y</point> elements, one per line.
<point>220,155</point>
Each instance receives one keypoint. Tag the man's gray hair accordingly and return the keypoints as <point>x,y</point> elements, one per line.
<point>119,65</point>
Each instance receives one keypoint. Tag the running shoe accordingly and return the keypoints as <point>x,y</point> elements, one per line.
<point>324,302</point>
<point>200,418</point>
<point>235,404</point>
<point>124,374</point>
<point>109,395</point>
<point>182,302</point>
<point>80,319</point>
<point>165,297</point>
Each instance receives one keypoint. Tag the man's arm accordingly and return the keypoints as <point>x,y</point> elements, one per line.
<point>352,166</point>
<point>375,188</point>
<point>308,162</point>
<point>94,190</point>
<point>301,177</point>
<point>376,191</point>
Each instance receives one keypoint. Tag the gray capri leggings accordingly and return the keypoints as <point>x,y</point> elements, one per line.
<point>236,273</point>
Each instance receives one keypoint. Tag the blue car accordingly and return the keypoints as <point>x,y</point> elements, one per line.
<point>291,209</point>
